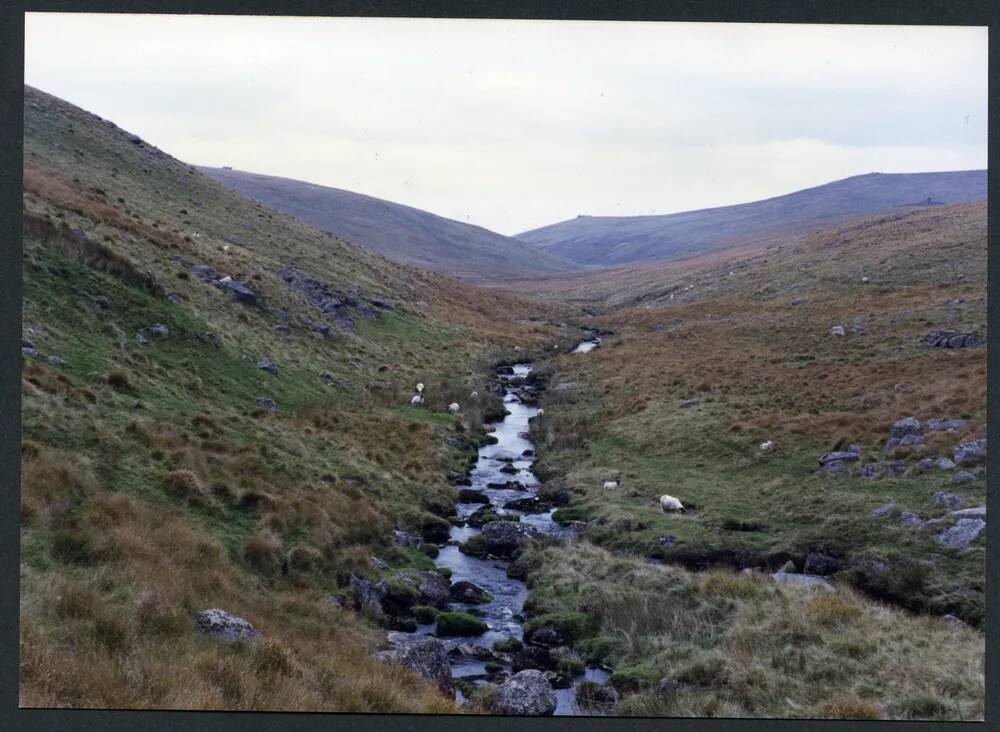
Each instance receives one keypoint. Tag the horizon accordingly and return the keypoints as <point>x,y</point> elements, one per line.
<point>510,126</point>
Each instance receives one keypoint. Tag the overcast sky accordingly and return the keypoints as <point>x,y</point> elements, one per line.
<point>517,124</point>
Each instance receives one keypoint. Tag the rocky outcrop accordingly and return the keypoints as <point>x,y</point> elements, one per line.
<point>970,453</point>
<point>218,624</point>
<point>906,432</point>
<point>962,534</point>
<point>952,339</point>
<point>526,693</point>
<point>434,589</point>
<point>426,656</point>
<point>468,592</point>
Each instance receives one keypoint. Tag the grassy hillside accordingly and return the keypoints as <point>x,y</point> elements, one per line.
<point>155,480</point>
<point>616,241</point>
<point>679,400</point>
<point>401,233</point>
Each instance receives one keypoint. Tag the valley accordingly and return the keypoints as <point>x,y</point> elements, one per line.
<point>274,458</point>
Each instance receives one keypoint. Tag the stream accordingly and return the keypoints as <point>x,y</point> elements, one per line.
<point>503,614</point>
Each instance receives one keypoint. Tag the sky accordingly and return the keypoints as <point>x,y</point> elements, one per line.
<point>514,125</point>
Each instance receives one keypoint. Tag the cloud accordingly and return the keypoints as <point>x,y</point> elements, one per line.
<point>516,124</point>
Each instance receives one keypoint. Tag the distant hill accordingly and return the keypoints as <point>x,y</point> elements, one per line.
<point>619,240</point>
<point>402,233</point>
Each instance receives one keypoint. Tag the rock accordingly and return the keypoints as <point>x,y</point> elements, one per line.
<point>141,339</point>
<point>821,564</point>
<point>962,476</point>
<point>803,580</point>
<point>505,538</point>
<point>963,533</point>
<point>426,656</point>
<point>268,404</point>
<point>471,650</point>
<point>526,693</point>
<point>835,467</point>
<point>470,495</point>
<point>787,568</point>
<point>944,463</point>
<point>240,291</point>
<point>850,455</point>
<point>667,687</point>
<point>434,590</point>
<point>321,329</point>
<point>527,453</point>
<point>267,365</point>
<point>908,518</point>
<point>26,344</point>
<point>945,499</point>
<point>951,339</point>
<point>690,403</point>
<point>600,696</point>
<point>159,330</point>
<point>204,272</point>
<point>102,303</point>
<point>367,599</point>
<point>404,538</point>
<point>531,504</point>
<point>905,432</point>
<point>547,636</point>
<point>870,470</point>
<point>976,512</point>
<point>218,624</point>
<point>508,469</point>
<point>837,330</point>
<point>946,425</point>
<point>894,468</point>
<point>463,591</point>
<point>970,453</point>
<point>55,360</point>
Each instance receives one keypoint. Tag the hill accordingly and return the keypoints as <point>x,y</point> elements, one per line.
<point>401,233</point>
<point>615,241</point>
<point>215,413</point>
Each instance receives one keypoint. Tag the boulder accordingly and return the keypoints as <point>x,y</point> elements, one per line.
<point>904,433</point>
<point>426,656</point>
<point>946,499</point>
<point>531,504</point>
<point>850,455</point>
<point>434,590</point>
<point>459,623</point>
<point>367,599</point>
<point>159,330</point>
<point>240,291</point>
<point>970,453</point>
<point>508,469</point>
<point>944,463</point>
<point>962,476</point>
<point>406,539</point>
<point>464,591</point>
<point>268,365</point>
<point>946,425</point>
<point>505,538</point>
<point>818,563</point>
<point>976,512</point>
<point>218,624</point>
<point>526,693</point>
<point>837,330</point>
<point>908,518</point>
<point>470,495</point>
<point>268,404</point>
<point>951,339</point>
<point>55,360</point>
<point>204,272</point>
<point>963,533</point>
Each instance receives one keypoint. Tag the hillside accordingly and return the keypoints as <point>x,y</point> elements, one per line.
<point>401,233</point>
<point>616,241</point>
<point>216,415</point>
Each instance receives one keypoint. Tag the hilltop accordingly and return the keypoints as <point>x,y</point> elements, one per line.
<point>611,241</point>
<point>401,233</point>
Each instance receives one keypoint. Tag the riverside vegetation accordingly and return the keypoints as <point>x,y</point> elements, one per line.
<point>216,414</point>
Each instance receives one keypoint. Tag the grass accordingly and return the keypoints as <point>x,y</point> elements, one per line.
<point>740,646</point>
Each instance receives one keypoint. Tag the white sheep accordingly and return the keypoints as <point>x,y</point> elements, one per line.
<point>416,400</point>
<point>864,280</point>
<point>540,412</point>
<point>669,504</point>
<point>611,485</point>
<point>420,388</point>
<point>474,395</point>
<point>766,445</point>
<point>453,407</point>
<point>225,248</point>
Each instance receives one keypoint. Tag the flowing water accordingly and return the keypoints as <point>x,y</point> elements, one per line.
<point>503,614</point>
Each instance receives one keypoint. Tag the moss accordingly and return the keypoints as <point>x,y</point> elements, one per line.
<point>571,626</point>
<point>459,623</point>
<point>570,513</point>
<point>475,546</point>
<point>634,678</point>
<point>507,645</point>
<point>425,614</point>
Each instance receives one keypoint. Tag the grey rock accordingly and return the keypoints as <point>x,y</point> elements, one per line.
<point>471,495</point>
<point>204,272</point>
<point>837,330</point>
<point>526,693</point>
<point>426,656</point>
<point>102,303</point>
<point>970,453</point>
<point>821,564</point>
<point>944,463</point>
<point>367,599</point>
<point>159,330</point>
<point>962,476</point>
<point>240,290</point>
<point>690,403</point>
<point>505,538</point>
<point>321,329</point>
<point>946,425</point>
<point>835,467</point>
<point>850,455</point>
<point>871,470</point>
<point>268,404</point>
<point>905,432</point>
<point>56,360</point>
<point>26,344</point>
<point>667,687</point>
<point>268,365</point>
<point>924,465</point>
<point>282,328</point>
<point>802,580</point>
<point>434,590</point>
<point>974,512</point>
<point>951,339</point>
<point>787,568</point>
<point>141,339</point>
<point>963,533</point>
<point>946,499</point>
<point>464,591</point>
<point>406,539</point>
<point>220,625</point>
<point>909,519</point>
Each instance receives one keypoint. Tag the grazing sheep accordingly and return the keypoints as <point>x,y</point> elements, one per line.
<point>420,388</point>
<point>474,395</point>
<point>225,248</point>
<point>453,407</point>
<point>767,445</point>
<point>864,280</point>
<point>540,412</point>
<point>669,504</point>
<point>417,399</point>
<point>611,485</point>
